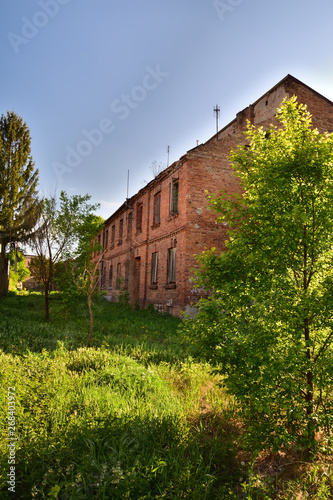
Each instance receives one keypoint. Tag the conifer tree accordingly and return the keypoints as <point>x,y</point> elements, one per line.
<point>19,204</point>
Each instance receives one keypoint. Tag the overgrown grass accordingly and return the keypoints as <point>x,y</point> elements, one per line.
<point>145,333</point>
<point>132,417</point>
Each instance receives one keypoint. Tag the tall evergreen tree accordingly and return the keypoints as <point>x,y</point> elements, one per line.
<point>19,204</point>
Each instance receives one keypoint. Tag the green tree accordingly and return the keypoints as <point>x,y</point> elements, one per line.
<point>86,279</point>
<point>19,204</point>
<point>18,270</point>
<point>57,236</point>
<point>268,320</point>
<point>80,275</point>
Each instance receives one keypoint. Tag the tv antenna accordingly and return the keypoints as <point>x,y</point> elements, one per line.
<point>168,151</point>
<point>217,112</point>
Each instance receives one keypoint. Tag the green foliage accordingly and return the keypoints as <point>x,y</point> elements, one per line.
<point>123,296</point>
<point>39,267</point>
<point>148,336</point>
<point>122,420</point>
<point>63,280</point>
<point>268,322</point>
<point>80,275</point>
<point>18,271</point>
<point>19,179</point>
<point>133,416</point>
<point>63,234</point>
<point>19,205</point>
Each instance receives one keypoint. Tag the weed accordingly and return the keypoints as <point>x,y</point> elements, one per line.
<point>131,417</point>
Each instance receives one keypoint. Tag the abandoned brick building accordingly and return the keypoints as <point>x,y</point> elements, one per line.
<point>151,240</point>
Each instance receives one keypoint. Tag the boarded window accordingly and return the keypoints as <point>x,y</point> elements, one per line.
<point>121,230</point>
<point>103,275</point>
<point>126,275</point>
<point>113,234</point>
<point>129,224</point>
<point>157,209</point>
<point>106,242</point>
<point>154,267</point>
<point>110,276</point>
<point>139,210</point>
<point>171,278</point>
<point>174,190</point>
<point>118,279</point>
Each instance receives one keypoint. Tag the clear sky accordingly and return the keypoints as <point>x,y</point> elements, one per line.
<point>105,86</point>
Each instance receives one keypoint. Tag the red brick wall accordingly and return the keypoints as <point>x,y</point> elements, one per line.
<point>194,228</point>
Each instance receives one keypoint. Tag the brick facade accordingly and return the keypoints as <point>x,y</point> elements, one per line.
<point>151,240</point>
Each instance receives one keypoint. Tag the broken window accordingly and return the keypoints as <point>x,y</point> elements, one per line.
<point>139,211</point>
<point>171,265</point>
<point>174,190</point>
<point>118,279</point>
<point>157,209</point>
<point>110,276</point>
<point>121,230</point>
<point>103,276</point>
<point>126,282</point>
<point>113,234</point>
<point>154,267</point>
<point>129,224</point>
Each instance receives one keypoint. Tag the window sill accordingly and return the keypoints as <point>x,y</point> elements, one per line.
<point>173,216</point>
<point>170,286</point>
<point>153,287</point>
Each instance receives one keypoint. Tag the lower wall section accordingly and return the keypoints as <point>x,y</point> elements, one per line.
<point>157,273</point>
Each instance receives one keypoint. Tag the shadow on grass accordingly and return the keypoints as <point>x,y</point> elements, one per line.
<point>131,458</point>
<point>148,336</point>
<point>130,453</point>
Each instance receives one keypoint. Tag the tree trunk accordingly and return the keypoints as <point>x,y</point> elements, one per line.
<point>3,271</point>
<point>310,429</point>
<point>47,288</point>
<point>309,397</point>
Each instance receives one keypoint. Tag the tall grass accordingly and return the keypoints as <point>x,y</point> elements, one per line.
<point>132,417</point>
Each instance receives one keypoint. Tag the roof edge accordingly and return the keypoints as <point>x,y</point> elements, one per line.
<point>287,79</point>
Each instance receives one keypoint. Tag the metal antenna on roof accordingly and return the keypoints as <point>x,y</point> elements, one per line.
<point>168,151</point>
<point>126,203</point>
<point>217,111</point>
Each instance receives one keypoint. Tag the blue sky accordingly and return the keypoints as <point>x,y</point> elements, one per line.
<point>105,86</point>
